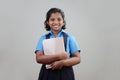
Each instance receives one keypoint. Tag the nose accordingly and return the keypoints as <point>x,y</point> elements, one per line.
<point>56,22</point>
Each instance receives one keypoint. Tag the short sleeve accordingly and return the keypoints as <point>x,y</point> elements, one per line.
<point>39,46</point>
<point>73,45</point>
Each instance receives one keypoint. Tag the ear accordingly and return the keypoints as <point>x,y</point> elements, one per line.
<point>47,22</point>
<point>63,22</point>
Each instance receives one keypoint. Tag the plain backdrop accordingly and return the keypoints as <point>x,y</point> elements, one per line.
<point>94,23</point>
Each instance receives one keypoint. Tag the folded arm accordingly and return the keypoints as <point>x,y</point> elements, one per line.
<point>48,59</point>
<point>75,59</point>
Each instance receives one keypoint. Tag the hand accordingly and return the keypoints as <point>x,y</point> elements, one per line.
<point>57,65</point>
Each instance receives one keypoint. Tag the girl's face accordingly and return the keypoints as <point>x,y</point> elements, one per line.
<point>55,22</point>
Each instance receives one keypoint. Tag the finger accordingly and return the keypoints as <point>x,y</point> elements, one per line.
<point>53,67</point>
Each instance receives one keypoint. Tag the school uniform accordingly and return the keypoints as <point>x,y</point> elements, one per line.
<point>66,73</point>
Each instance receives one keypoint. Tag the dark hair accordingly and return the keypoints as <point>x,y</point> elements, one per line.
<point>54,10</point>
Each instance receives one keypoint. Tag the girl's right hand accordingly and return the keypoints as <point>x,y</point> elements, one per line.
<point>57,65</point>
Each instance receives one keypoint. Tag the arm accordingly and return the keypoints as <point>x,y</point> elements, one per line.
<point>72,61</point>
<point>48,59</point>
<point>67,62</point>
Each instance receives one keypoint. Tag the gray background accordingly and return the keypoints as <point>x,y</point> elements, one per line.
<point>94,23</point>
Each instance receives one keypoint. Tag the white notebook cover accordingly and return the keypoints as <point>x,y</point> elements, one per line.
<point>53,46</point>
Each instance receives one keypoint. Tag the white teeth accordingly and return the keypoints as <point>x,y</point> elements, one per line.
<point>55,26</point>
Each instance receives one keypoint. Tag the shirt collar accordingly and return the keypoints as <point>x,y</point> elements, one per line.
<point>50,32</point>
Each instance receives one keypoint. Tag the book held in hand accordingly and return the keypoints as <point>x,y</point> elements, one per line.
<point>53,46</point>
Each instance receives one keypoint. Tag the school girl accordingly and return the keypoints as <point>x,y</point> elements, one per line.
<point>61,63</point>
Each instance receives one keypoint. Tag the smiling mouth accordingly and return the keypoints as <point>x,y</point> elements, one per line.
<point>55,26</point>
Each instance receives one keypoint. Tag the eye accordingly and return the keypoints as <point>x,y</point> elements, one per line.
<point>59,19</point>
<point>52,19</point>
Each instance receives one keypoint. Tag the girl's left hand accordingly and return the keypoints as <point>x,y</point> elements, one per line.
<point>57,65</point>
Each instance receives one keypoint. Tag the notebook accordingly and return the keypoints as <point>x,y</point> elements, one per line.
<point>53,46</point>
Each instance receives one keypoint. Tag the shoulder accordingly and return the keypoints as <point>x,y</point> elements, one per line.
<point>43,36</point>
<point>71,37</point>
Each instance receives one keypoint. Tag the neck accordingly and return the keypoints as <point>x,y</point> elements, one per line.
<point>55,33</point>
